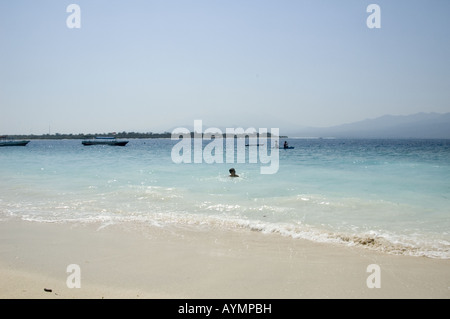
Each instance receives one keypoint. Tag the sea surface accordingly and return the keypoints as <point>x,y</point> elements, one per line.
<point>386,195</point>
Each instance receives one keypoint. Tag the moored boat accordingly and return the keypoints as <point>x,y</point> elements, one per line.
<point>5,142</point>
<point>105,141</point>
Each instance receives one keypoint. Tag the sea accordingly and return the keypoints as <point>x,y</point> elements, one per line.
<point>388,195</point>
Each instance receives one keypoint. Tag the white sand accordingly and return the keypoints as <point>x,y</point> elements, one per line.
<point>132,261</point>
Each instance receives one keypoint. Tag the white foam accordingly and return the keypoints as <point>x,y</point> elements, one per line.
<point>314,217</point>
<point>383,242</point>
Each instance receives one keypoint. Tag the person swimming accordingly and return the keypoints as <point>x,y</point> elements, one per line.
<point>233,172</point>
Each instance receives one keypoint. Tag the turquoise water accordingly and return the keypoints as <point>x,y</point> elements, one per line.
<point>388,195</point>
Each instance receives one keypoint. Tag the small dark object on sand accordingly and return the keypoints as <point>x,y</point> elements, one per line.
<point>47,290</point>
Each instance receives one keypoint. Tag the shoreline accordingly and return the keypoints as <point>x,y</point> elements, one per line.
<point>132,261</point>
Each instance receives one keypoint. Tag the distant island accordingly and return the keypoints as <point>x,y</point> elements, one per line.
<point>82,136</point>
<point>420,126</point>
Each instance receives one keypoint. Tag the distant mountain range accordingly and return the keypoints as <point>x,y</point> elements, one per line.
<point>420,125</point>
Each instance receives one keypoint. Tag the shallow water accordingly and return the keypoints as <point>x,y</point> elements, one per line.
<point>389,195</point>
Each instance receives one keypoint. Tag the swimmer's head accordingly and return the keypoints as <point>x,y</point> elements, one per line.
<point>233,172</point>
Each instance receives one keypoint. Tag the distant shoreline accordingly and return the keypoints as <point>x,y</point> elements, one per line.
<point>169,135</point>
<point>82,136</point>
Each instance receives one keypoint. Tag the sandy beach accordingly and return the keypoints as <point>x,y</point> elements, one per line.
<point>131,261</point>
<point>139,261</point>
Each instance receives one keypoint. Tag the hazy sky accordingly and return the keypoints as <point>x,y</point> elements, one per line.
<point>154,65</point>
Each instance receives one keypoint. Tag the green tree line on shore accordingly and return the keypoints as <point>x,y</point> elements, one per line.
<point>82,136</point>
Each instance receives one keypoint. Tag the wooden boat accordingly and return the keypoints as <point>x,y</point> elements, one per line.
<point>112,141</point>
<point>5,142</point>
